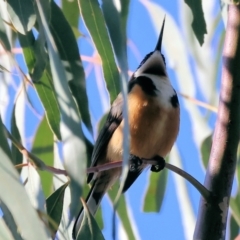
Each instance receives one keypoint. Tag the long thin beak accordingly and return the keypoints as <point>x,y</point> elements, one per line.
<point>159,43</point>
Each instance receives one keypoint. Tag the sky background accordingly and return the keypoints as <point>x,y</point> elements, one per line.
<point>177,217</point>
<point>168,223</point>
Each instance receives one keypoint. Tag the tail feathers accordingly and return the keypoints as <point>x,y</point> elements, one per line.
<point>93,201</point>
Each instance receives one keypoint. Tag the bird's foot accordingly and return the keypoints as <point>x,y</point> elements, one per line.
<point>160,164</point>
<point>135,163</point>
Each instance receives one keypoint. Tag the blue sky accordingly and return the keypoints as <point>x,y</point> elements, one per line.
<point>168,223</point>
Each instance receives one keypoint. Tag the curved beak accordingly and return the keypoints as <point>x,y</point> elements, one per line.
<point>159,43</point>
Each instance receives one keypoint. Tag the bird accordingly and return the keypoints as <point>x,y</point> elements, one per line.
<point>154,118</point>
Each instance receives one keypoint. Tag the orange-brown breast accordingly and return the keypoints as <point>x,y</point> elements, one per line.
<point>153,129</point>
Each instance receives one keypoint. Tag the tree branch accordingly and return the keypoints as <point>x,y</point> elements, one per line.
<point>40,165</point>
<point>212,216</point>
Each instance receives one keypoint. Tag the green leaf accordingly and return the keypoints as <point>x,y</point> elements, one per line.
<point>3,36</point>
<point>71,12</point>
<point>5,231</point>
<point>155,192</point>
<point>234,204</point>
<point>89,228</point>
<point>206,149</point>
<point>43,85</point>
<point>22,14</point>
<point>13,192</point>
<point>9,221</point>
<point>234,228</point>
<point>98,215</point>
<point>124,18</point>
<point>94,20</point>
<point>113,21</point>
<point>43,148</point>
<point>122,210</point>
<point>74,148</point>
<point>17,157</point>
<point>34,190</point>
<point>198,24</point>
<point>68,50</point>
<point>54,205</point>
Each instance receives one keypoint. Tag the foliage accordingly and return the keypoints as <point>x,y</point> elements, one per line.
<point>50,105</point>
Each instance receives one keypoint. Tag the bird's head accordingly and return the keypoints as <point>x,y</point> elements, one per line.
<point>154,62</point>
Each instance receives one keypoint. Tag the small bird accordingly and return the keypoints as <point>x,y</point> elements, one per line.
<point>154,118</point>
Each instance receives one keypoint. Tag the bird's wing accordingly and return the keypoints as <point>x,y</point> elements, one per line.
<point>113,121</point>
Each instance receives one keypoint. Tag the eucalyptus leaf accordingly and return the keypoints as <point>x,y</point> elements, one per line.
<point>234,228</point>
<point>17,157</point>
<point>54,205</point>
<point>43,148</point>
<point>69,54</point>
<point>234,204</point>
<point>71,12</point>
<point>13,192</point>
<point>89,228</point>
<point>156,191</point>
<point>94,20</point>
<point>22,14</point>
<point>3,36</point>
<point>9,221</point>
<point>43,85</point>
<point>122,211</point>
<point>74,148</point>
<point>198,25</point>
<point>5,232</point>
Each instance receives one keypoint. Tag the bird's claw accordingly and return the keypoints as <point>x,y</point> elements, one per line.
<point>160,165</point>
<point>135,163</point>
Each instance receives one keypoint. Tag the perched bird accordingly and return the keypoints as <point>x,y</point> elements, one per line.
<point>153,122</point>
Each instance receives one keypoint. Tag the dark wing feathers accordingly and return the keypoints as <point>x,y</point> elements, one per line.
<point>113,120</point>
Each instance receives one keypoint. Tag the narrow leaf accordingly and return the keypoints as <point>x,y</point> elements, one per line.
<point>13,192</point>
<point>43,85</point>
<point>17,157</point>
<point>198,24</point>
<point>122,211</point>
<point>3,36</point>
<point>43,148</point>
<point>71,12</point>
<point>54,205</point>
<point>156,191</point>
<point>9,221</point>
<point>234,228</point>
<point>124,17</point>
<point>5,231</point>
<point>113,22</point>
<point>112,18</point>
<point>22,14</point>
<point>69,54</point>
<point>234,204</point>
<point>74,149</point>
<point>89,228</point>
<point>94,20</point>
<point>34,189</point>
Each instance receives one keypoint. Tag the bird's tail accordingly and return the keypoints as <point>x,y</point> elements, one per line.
<point>93,201</point>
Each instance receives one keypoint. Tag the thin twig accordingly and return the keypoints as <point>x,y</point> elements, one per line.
<point>199,103</point>
<point>40,165</point>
